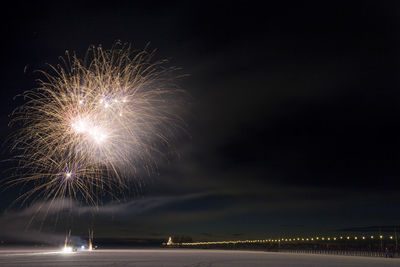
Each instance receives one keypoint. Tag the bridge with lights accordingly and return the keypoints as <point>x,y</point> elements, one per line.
<point>357,245</point>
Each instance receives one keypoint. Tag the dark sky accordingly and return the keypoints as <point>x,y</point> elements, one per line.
<point>292,120</point>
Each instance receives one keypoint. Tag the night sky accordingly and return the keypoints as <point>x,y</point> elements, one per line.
<point>292,115</point>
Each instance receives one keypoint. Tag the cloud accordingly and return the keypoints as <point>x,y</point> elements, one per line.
<point>137,206</point>
<point>46,222</point>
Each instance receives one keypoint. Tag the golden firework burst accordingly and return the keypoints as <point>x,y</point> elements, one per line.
<point>93,123</point>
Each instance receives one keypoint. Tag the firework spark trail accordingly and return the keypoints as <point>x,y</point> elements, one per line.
<point>93,121</point>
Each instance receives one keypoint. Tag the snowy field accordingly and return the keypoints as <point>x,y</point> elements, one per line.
<point>180,257</point>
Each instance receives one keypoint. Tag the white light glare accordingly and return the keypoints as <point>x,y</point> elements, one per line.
<point>80,126</point>
<point>97,135</point>
<point>67,249</point>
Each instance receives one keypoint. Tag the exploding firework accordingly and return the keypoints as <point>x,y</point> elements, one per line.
<point>94,123</point>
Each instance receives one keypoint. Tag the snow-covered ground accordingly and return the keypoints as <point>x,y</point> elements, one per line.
<point>180,257</point>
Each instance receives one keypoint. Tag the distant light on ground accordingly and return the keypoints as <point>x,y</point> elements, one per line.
<point>67,249</point>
